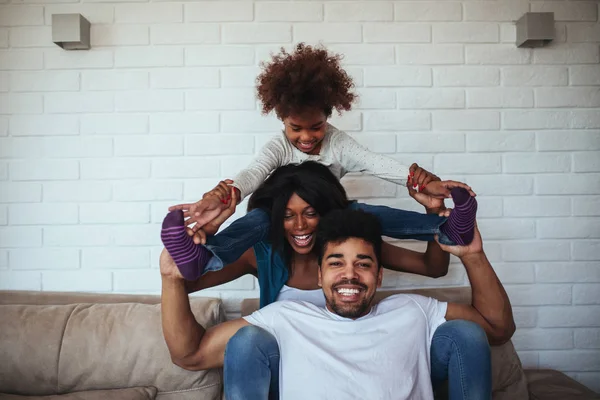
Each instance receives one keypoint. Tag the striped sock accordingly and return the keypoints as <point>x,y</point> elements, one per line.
<point>189,257</point>
<point>460,226</point>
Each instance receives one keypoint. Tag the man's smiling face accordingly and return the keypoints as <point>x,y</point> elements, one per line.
<point>350,275</point>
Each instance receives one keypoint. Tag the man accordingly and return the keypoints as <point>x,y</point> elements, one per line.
<point>352,348</point>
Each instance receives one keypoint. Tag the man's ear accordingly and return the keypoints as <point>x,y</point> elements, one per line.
<point>380,277</point>
<point>319,278</point>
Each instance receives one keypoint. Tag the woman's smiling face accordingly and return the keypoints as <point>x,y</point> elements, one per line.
<point>300,224</point>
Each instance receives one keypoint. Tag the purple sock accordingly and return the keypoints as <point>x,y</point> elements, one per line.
<point>189,257</point>
<point>460,226</point>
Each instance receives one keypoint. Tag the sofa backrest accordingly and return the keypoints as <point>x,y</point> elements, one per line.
<point>62,345</point>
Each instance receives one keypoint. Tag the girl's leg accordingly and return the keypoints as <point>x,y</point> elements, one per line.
<point>251,368</point>
<point>460,353</point>
<point>221,249</point>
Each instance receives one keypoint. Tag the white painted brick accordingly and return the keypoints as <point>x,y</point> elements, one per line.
<point>397,76</point>
<point>77,281</point>
<point>349,121</point>
<point>567,54</point>
<point>221,99</point>
<point>21,103</point>
<point>586,162</point>
<point>41,125</point>
<point>44,259</point>
<point>46,214</point>
<point>13,192</point>
<point>587,338</point>
<point>149,145</point>
<point>427,11</point>
<point>378,143</point>
<point>537,206</point>
<point>494,229</point>
<point>466,76</point>
<point>429,54</point>
<point>397,120</point>
<point>431,143</point>
<point>77,236</point>
<point>525,317</point>
<point>17,15</point>
<point>3,221</point>
<point>590,379</point>
<point>46,81</point>
<point>256,33</point>
<point>396,33</point>
<point>510,10</point>
<point>552,272</point>
<point>42,170</point>
<point>376,99</point>
<point>583,32</point>
<point>508,33</point>
<point>230,166</point>
<point>586,294</point>
<point>499,98</point>
<point>186,168</point>
<point>3,259</point>
<point>60,59</point>
<point>456,120</point>
<point>236,76</point>
<point>568,184</point>
<point>499,185</point>
<point>466,32</point>
<point>571,360</point>
<point>534,76</point>
<point>95,13</point>
<point>565,228</point>
<point>137,235</point>
<point>551,119</point>
<point>567,97</point>
<point>190,122</point>
<point>359,11</point>
<point>219,55</point>
<point>148,13</point>
<point>20,280</point>
<point>288,11</point>
<point>536,163</point>
<point>547,250</point>
<point>183,78</point>
<point>221,11</point>
<point>4,79</point>
<point>114,80</point>
<point>4,171</point>
<point>21,60</point>
<point>568,140</point>
<point>586,205</point>
<point>219,144</point>
<point>327,33</point>
<point>150,100</point>
<point>535,295</point>
<point>78,102</point>
<point>497,54</point>
<point>119,35</point>
<point>249,121</point>
<point>489,207</point>
<point>154,56</point>
<point>148,190</point>
<point>144,281</point>
<point>185,34</point>
<point>76,192</point>
<point>100,258</point>
<point>115,168</point>
<point>463,163</point>
<point>114,213</point>
<point>568,11</point>
<point>20,236</point>
<point>543,339</point>
<point>109,124</point>
<point>365,54</point>
<point>3,38</point>
<point>39,36</point>
<point>584,75</point>
<point>587,250</point>
<point>513,272</point>
<point>3,126</point>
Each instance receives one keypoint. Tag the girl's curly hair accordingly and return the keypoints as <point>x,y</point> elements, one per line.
<point>307,78</point>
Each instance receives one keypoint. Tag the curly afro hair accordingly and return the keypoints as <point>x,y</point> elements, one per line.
<point>307,78</point>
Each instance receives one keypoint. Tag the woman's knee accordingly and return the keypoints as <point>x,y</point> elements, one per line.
<point>252,338</point>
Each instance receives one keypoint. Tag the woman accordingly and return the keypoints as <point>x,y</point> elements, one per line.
<point>296,196</point>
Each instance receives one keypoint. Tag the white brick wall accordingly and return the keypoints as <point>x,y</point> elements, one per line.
<point>94,145</point>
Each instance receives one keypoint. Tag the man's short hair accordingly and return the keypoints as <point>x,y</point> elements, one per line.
<point>340,225</point>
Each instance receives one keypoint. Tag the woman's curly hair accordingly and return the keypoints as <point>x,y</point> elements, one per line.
<point>307,78</point>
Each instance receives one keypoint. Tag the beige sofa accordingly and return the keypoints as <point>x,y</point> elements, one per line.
<point>77,346</point>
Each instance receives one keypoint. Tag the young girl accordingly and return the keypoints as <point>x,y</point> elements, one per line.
<point>303,88</point>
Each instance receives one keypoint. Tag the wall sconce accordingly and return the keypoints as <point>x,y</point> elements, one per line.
<point>535,29</point>
<point>71,31</point>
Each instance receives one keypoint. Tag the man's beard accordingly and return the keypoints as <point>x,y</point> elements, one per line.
<point>345,310</point>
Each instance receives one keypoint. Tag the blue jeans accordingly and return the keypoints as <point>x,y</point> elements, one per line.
<point>229,245</point>
<point>459,353</point>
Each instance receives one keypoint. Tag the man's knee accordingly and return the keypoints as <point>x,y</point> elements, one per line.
<point>464,333</point>
<point>249,339</point>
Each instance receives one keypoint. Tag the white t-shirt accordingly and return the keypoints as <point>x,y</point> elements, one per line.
<point>316,296</point>
<point>383,355</point>
<point>339,152</point>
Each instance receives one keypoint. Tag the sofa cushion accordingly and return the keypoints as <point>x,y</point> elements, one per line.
<point>137,393</point>
<point>546,384</point>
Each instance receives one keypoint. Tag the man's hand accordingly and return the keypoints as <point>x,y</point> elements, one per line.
<point>475,248</point>
<point>168,268</point>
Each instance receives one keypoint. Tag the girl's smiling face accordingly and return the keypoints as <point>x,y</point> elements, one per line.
<point>306,130</point>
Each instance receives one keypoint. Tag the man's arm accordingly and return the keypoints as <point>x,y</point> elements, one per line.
<point>490,306</point>
<point>433,263</point>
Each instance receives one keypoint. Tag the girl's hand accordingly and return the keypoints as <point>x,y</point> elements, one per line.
<point>419,178</point>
